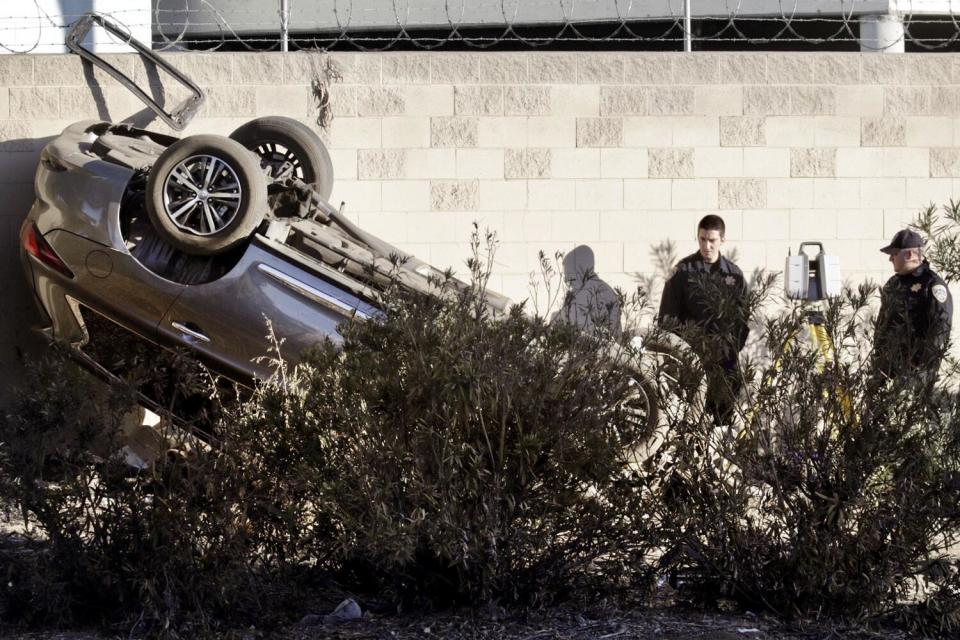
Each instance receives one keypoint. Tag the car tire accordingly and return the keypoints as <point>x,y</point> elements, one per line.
<point>287,146</point>
<point>206,194</point>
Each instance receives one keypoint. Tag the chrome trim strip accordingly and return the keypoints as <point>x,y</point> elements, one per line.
<point>312,293</point>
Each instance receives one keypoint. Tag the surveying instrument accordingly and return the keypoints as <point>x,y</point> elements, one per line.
<point>811,280</point>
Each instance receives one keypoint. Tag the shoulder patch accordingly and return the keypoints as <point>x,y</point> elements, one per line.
<point>940,293</point>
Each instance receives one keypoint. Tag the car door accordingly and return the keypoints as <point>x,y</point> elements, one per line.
<point>226,320</point>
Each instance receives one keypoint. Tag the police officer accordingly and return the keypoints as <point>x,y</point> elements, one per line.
<point>916,312</point>
<point>708,294</point>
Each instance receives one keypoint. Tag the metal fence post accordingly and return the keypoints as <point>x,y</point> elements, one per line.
<point>687,28</point>
<point>284,25</point>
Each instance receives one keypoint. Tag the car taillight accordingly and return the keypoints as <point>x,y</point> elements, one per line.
<point>35,245</point>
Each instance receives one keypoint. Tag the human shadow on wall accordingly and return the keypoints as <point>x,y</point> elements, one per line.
<point>589,303</point>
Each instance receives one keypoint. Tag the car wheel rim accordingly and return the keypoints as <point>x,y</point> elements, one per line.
<point>279,161</point>
<point>202,195</point>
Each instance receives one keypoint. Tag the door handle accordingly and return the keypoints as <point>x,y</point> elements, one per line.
<point>193,333</point>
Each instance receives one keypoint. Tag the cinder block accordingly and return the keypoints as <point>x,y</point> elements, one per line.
<point>621,163</point>
<point>454,195</point>
<point>359,196</point>
<point>406,131</point>
<point>353,133</point>
<point>718,100</point>
<point>670,163</point>
<point>697,194</point>
<point>648,68</point>
<point>906,101</point>
<point>16,135</point>
<point>694,131</point>
<point>813,163</point>
<point>599,132</point>
<point>553,68</point>
<point>503,68</point>
<point>859,100</point>
<point>859,163</point>
<point>625,226</point>
<point>380,101</point>
<point>406,195</point>
<point>647,194</point>
<point>205,69</point>
<point>230,101</point>
<point>406,68</point>
<point>742,131</point>
<point>454,68</point>
<point>837,68</point>
<point>575,226</point>
<point>344,163</point>
<point>813,101</point>
<point>480,100</point>
<point>923,191</point>
<point>857,224</point>
<point>766,224</point>
<point>502,132</point>
<point>945,101</point>
<point>526,163</point>
<point>341,100</point>
<point>718,162</point>
<point>944,162</point>
<point>696,68</point>
<point>602,195</point>
<point>262,67</point>
<point>927,68</point>
<point>929,132</point>
<point>480,163</point>
<point>596,68</point>
<point>790,68</point>
<point>818,223</point>
<point>453,131</point>
<point>766,162</point>
<point>60,70</point>
<point>836,131</point>
<point>284,100</point>
<point>836,193</point>
<point>882,193</point>
<point>579,163</point>
<point>430,226</point>
<point>766,100</point>
<point>503,195</point>
<point>743,68</point>
<point>546,195</point>
<point>579,100</point>
<point>665,101</point>
<point>883,132</point>
<point>747,193</point>
<point>529,226</point>
<point>381,164</point>
<point>619,101</point>
<point>882,69</point>
<point>646,132</point>
<point>35,102</point>
<point>16,71</point>
<point>790,193</point>
<point>552,131</point>
<point>343,68</point>
<point>428,100</point>
<point>431,163</point>
<point>527,101</point>
<point>907,163</point>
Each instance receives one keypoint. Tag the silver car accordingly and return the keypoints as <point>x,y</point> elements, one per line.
<point>200,241</point>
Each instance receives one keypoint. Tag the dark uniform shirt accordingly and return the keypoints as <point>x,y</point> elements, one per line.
<point>693,294</point>
<point>913,326</point>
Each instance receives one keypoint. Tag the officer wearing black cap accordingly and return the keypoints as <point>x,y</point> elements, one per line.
<point>708,291</point>
<point>916,312</point>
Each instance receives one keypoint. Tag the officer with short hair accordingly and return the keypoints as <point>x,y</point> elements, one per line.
<point>708,291</point>
<point>916,311</point>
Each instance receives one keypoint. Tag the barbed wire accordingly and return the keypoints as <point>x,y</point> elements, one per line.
<point>380,25</point>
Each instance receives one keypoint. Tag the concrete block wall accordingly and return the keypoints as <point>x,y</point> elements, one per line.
<point>618,151</point>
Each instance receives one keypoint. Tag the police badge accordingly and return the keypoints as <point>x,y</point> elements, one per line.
<point>940,293</point>
<point>730,280</point>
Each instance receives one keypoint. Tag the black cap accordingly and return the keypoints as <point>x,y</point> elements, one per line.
<point>903,239</point>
